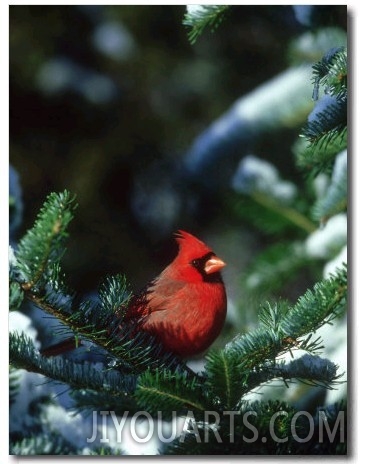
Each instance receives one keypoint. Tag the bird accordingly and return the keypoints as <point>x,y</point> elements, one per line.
<point>184,307</point>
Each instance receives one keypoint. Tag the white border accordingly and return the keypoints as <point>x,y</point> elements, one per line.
<point>360,223</point>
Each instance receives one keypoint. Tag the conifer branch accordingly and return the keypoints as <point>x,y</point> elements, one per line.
<point>13,384</point>
<point>167,391</point>
<point>315,308</point>
<point>42,246</point>
<point>43,444</point>
<point>16,296</point>
<point>136,348</point>
<point>327,124</point>
<point>198,17</point>
<point>23,355</point>
<point>334,200</point>
<point>41,280</point>
<point>225,379</point>
<point>331,73</point>
<point>88,399</point>
<point>309,369</point>
<point>325,133</point>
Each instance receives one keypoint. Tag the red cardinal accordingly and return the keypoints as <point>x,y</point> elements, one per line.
<point>185,306</point>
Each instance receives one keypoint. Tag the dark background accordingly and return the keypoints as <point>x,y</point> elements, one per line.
<point>101,125</point>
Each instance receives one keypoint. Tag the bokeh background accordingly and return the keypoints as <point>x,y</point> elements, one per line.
<point>107,101</point>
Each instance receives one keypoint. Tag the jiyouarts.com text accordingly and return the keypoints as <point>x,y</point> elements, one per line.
<point>143,427</point>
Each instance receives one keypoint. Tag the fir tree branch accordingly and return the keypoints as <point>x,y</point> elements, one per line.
<point>315,159</point>
<point>335,198</point>
<point>225,379</point>
<point>38,259</point>
<point>92,321</point>
<point>331,73</point>
<point>23,355</point>
<point>307,369</point>
<point>106,452</point>
<point>167,391</point>
<point>50,443</point>
<point>255,348</point>
<point>326,135</point>
<point>13,384</point>
<point>315,308</point>
<point>312,370</point>
<point>42,246</point>
<point>44,444</point>
<point>326,129</point>
<point>198,17</point>
<point>91,400</point>
<point>113,293</point>
<point>16,296</point>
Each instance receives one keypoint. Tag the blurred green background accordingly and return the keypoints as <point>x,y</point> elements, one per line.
<point>105,100</point>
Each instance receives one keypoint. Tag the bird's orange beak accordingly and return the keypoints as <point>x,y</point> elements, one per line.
<point>214,264</point>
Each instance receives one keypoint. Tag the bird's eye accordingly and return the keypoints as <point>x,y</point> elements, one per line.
<point>196,263</point>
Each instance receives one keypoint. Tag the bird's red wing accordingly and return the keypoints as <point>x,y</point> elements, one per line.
<point>166,288</point>
<point>155,297</point>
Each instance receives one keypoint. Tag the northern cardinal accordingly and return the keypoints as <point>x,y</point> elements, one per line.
<point>185,306</point>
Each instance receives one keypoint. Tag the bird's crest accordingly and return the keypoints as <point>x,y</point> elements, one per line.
<point>188,243</point>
